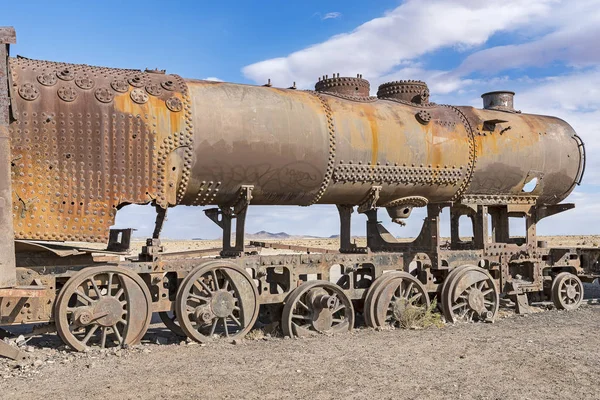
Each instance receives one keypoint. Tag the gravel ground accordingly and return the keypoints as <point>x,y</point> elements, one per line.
<point>549,354</point>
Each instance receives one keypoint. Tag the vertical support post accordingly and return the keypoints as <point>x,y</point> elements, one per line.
<point>454,231</point>
<point>8,273</point>
<point>345,227</point>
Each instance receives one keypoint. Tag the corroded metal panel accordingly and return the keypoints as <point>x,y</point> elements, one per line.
<point>274,139</point>
<point>514,149</point>
<point>88,140</point>
<point>7,249</point>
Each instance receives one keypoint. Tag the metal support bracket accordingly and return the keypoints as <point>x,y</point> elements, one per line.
<point>225,214</point>
<point>370,200</point>
<point>346,245</point>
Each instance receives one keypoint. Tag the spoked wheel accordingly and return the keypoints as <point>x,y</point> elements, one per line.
<point>470,294</point>
<point>103,306</point>
<point>567,291</point>
<point>217,300</point>
<point>373,294</point>
<point>170,320</point>
<point>400,300</point>
<point>317,307</point>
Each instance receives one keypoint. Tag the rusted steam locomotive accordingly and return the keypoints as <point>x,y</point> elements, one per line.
<point>79,142</point>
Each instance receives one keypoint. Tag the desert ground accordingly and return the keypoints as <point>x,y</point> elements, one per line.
<point>547,354</point>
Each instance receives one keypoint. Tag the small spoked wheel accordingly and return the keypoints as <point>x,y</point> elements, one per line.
<point>400,301</point>
<point>317,307</point>
<point>103,306</point>
<point>567,291</point>
<point>469,294</point>
<point>170,320</point>
<point>217,300</point>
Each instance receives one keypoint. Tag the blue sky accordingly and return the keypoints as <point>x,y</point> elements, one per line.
<point>548,51</point>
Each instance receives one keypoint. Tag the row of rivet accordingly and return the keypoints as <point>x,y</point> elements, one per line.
<point>206,193</point>
<point>397,175</point>
<point>472,152</point>
<point>498,199</point>
<point>331,157</point>
<point>187,141</point>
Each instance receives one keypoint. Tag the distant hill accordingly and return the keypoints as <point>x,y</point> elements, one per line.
<point>262,235</point>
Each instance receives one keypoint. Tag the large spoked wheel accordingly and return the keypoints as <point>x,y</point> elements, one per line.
<point>317,307</point>
<point>400,301</point>
<point>567,291</point>
<point>103,306</point>
<point>373,294</point>
<point>469,295</point>
<point>170,320</point>
<point>217,300</point>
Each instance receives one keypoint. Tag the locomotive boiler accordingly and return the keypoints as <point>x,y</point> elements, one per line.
<point>80,142</point>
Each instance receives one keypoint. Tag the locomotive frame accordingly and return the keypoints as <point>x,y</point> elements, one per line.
<point>103,298</point>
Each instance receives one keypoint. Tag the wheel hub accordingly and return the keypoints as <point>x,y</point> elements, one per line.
<point>571,292</point>
<point>476,300</point>
<point>222,303</point>
<point>110,311</point>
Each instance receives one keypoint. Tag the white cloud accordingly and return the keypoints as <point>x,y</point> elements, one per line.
<point>378,46</point>
<point>331,15</point>
<point>213,79</point>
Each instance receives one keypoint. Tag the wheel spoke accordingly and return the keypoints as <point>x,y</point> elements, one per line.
<point>200,299</point>
<point>459,305</point>
<point>84,297</point>
<point>119,293</point>
<point>341,306</point>
<point>415,298</point>
<point>103,340</point>
<point>225,326</point>
<point>303,305</point>
<point>213,327</point>
<point>95,286</point>
<point>408,289</point>
<point>302,317</point>
<point>237,321</point>
<point>109,284</point>
<point>89,334</point>
<point>215,280</point>
<point>117,333</point>
<point>204,286</point>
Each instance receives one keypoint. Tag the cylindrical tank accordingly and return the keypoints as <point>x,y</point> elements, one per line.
<point>304,147</point>
<point>88,140</point>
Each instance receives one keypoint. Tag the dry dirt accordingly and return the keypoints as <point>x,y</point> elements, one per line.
<point>549,354</point>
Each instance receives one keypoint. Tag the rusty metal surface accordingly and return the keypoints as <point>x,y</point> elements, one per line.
<point>283,246</point>
<point>7,251</point>
<point>410,91</point>
<point>410,147</point>
<point>88,140</point>
<point>170,141</point>
<point>24,291</point>
<point>517,148</point>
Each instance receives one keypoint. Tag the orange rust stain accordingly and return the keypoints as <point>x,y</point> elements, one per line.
<point>370,115</point>
<point>167,122</point>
